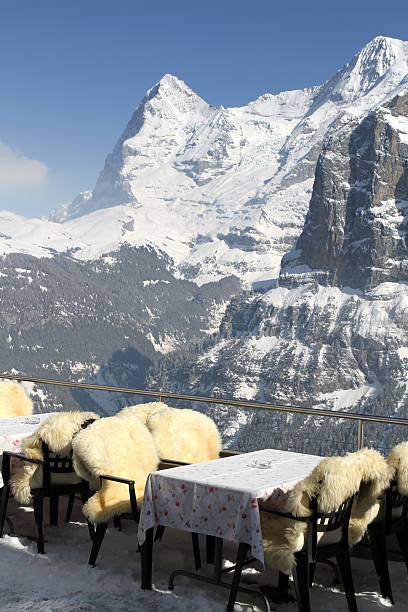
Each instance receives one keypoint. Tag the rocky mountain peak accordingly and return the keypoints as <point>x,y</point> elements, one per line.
<point>173,93</point>
<point>380,66</point>
<point>356,229</point>
<point>378,56</point>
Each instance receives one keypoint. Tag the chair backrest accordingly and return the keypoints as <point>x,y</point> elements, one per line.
<point>324,522</point>
<point>56,464</point>
<point>330,521</point>
<point>396,506</point>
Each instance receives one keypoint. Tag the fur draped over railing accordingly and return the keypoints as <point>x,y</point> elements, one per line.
<point>364,473</point>
<point>57,432</point>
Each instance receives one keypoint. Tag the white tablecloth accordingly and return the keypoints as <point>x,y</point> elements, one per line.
<point>14,430</point>
<point>220,497</point>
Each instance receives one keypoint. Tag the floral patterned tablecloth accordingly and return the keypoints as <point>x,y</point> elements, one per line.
<point>220,497</point>
<point>13,430</point>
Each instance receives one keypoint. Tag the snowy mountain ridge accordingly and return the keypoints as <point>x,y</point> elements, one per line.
<point>239,178</point>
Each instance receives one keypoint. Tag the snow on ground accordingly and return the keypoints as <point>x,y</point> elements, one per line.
<point>62,581</point>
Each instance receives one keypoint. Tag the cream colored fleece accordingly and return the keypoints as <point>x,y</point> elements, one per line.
<point>14,401</point>
<point>114,446</point>
<point>179,434</point>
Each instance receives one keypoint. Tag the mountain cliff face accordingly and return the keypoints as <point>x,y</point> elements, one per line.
<point>334,334</point>
<point>355,231</point>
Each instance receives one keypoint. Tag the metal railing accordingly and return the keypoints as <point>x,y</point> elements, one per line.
<point>360,419</point>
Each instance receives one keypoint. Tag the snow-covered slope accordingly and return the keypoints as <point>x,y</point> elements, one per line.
<point>225,190</point>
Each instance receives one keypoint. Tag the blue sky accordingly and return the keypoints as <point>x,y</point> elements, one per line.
<point>72,71</point>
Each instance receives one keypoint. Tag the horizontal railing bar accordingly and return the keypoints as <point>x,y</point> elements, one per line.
<point>214,400</point>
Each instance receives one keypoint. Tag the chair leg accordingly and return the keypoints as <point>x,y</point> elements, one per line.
<point>312,570</point>
<point>3,506</point>
<point>117,523</point>
<point>343,561</point>
<point>84,498</point>
<point>38,517</point>
<point>159,533</point>
<point>239,563</point>
<point>378,545</point>
<point>70,507</point>
<point>97,542</point>
<point>54,510</point>
<point>301,580</point>
<point>196,550</point>
<point>283,583</point>
<point>402,537</point>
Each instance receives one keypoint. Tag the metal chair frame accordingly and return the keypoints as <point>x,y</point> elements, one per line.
<point>134,515</point>
<point>101,528</point>
<point>310,555</point>
<point>51,464</point>
<point>379,531</point>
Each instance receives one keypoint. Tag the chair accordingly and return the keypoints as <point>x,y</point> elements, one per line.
<point>58,478</point>
<point>134,515</point>
<point>333,542</point>
<point>392,519</point>
<point>318,519</point>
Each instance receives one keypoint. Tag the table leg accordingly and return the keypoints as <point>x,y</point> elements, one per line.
<point>243,550</point>
<point>4,495</point>
<point>5,491</point>
<point>218,545</point>
<point>147,560</point>
<point>209,545</point>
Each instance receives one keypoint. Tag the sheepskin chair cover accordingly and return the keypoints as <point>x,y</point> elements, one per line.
<point>334,480</point>
<point>14,401</point>
<point>143,411</point>
<point>57,432</point>
<point>113,446</point>
<point>398,463</point>
<point>179,434</point>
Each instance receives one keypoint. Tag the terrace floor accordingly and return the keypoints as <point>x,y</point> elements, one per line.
<point>62,581</point>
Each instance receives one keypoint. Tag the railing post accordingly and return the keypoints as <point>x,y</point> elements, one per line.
<point>360,434</point>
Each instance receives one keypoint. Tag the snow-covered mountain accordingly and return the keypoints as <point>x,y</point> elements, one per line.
<point>334,333</point>
<point>192,193</point>
<point>219,190</point>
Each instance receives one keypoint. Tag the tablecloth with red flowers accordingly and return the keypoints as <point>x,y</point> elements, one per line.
<point>220,497</point>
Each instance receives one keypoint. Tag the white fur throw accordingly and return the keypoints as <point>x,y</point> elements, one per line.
<point>14,401</point>
<point>398,462</point>
<point>57,432</point>
<point>121,447</point>
<point>334,480</point>
<point>179,434</point>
